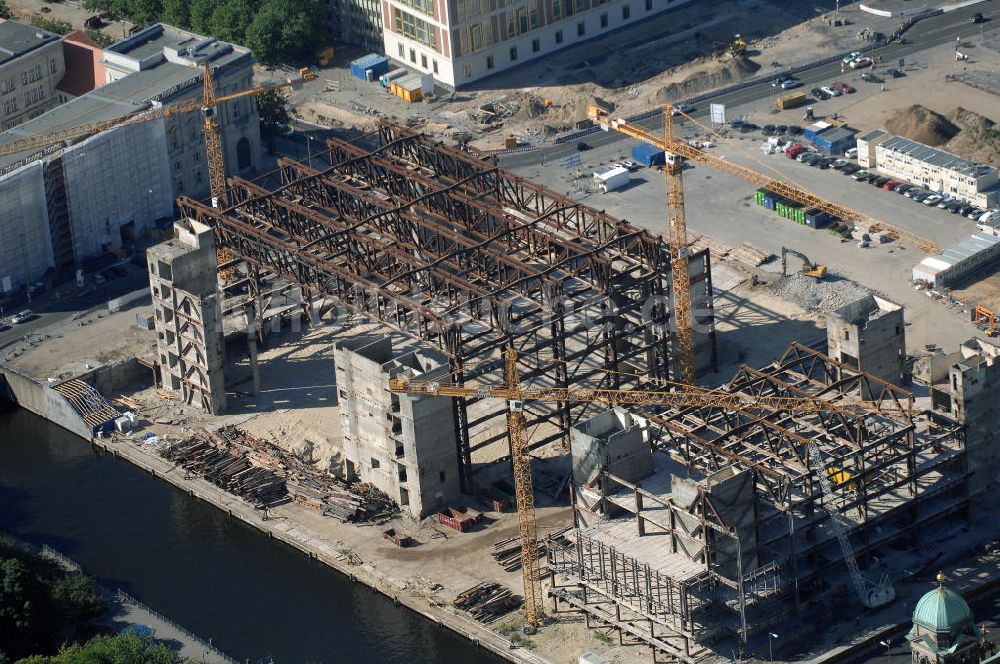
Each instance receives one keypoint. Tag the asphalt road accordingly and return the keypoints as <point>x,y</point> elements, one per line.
<point>925,34</point>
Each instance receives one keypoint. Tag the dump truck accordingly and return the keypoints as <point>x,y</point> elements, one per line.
<point>791,100</point>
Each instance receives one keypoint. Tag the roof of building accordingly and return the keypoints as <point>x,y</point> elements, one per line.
<point>942,610</point>
<point>84,71</point>
<point>935,157</point>
<point>162,42</point>
<point>16,39</point>
<point>161,81</point>
<point>872,135</point>
<point>835,134</point>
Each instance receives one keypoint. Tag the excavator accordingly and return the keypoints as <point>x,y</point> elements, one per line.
<point>809,268</point>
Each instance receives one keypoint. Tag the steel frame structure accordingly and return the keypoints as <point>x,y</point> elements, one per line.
<point>446,247</point>
<point>903,477</point>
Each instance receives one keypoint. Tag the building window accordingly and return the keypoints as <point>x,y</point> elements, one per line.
<point>375,463</point>
<point>558,36</point>
<point>434,65</point>
<point>468,70</point>
<point>536,46</point>
<point>847,335</point>
<point>415,28</point>
<point>402,50</point>
<point>413,55</point>
<point>581,29</point>
<point>626,12</point>
<point>423,61</point>
<point>423,6</point>
<point>10,106</point>
<point>604,20</point>
<point>441,475</point>
<point>8,86</point>
<point>489,62</point>
<point>649,5</point>
<point>513,54</point>
<point>52,66</point>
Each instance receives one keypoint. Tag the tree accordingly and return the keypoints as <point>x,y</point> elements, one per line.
<point>102,39</point>
<point>25,619</point>
<point>144,11</point>
<point>116,649</point>
<point>200,12</point>
<point>177,12</point>
<point>5,12</point>
<point>280,32</point>
<point>273,116</point>
<point>230,20</point>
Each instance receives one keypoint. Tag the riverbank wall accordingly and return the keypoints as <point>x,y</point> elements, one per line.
<point>41,399</point>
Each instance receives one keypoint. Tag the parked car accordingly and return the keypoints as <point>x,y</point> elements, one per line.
<point>920,196</point>
<point>890,185</point>
<point>582,147</point>
<point>861,63</point>
<point>976,18</point>
<point>975,213</point>
<point>98,279</point>
<point>843,87</point>
<point>22,317</point>
<point>120,272</point>
<point>895,73</point>
<point>768,130</point>
<point>794,150</point>
<point>794,130</point>
<point>681,107</point>
<point>880,181</point>
<point>832,91</point>
<point>804,155</point>
<point>964,209</point>
<point>791,83</point>
<point>823,163</point>
<point>871,78</point>
<point>933,199</point>
<point>902,187</point>
<point>782,78</point>
<point>850,57</point>
<point>630,165</point>
<point>839,164</point>
<point>861,176</point>
<point>4,326</point>
<point>954,206</point>
<point>945,202</point>
<point>780,129</point>
<point>820,94</point>
<point>850,169</point>
<point>910,193</point>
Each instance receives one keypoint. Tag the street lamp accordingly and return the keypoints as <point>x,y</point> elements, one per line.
<point>770,649</point>
<point>888,650</point>
<point>309,145</point>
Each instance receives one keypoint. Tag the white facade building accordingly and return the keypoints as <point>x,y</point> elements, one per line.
<point>461,41</point>
<point>929,167</point>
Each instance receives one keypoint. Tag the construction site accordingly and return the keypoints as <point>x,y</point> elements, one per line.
<point>546,427</point>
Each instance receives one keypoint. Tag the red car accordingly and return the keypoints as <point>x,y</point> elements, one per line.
<point>892,184</point>
<point>844,87</point>
<point>794,151</point>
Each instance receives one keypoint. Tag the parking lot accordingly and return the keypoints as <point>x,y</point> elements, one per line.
<point>723,207</point>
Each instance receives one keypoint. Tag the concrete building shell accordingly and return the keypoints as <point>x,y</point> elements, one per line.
<point>403,444</point>
<point>730,535</point>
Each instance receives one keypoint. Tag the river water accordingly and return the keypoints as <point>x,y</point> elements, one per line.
<point>218,577</point>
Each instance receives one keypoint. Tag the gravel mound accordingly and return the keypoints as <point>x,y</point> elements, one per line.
<point>818,296</point>
<point>923,125</point>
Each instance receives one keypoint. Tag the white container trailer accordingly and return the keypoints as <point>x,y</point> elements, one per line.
<point>612,179</point>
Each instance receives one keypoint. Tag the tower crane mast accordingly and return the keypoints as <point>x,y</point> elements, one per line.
<point>515,395</point>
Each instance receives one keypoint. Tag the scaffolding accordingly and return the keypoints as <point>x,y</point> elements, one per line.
<point>731,534</point>
<point>446,247</point>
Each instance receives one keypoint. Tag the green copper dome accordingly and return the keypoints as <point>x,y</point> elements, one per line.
<point>942,610</point>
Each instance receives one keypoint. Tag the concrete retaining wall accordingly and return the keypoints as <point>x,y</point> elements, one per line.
<point>41,400</point>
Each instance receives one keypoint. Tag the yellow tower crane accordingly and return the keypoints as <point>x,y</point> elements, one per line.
<point>685,396</point>
<point>213,140</point>
<point>778,185</point>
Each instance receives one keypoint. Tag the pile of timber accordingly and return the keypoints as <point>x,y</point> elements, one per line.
<point>250,462</point>
<point>507,552</point>
<point>751,254</point>
<point>230,472</point>
<point>486,602</point>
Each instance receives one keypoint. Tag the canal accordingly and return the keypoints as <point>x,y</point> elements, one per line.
<point>218,577</point>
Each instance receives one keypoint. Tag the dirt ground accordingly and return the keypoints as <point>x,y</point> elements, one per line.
<point>670,57</point>
<point>71,11</point>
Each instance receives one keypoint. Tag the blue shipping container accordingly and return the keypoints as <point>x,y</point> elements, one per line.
<point>648,155</point>
<point>377,64</point>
